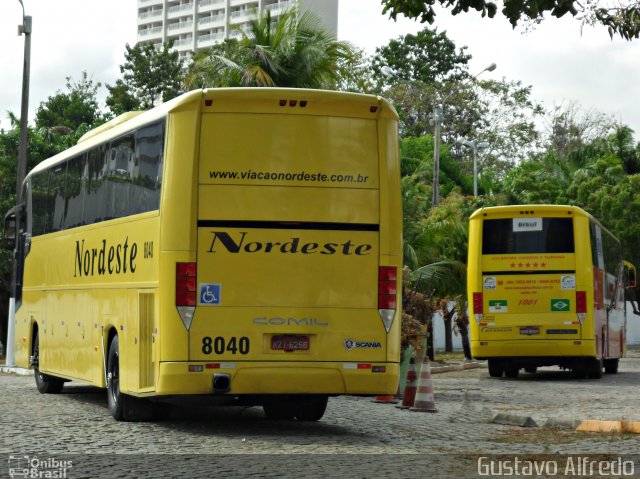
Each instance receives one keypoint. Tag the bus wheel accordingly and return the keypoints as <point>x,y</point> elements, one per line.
<point>611,366</point>
<point>115,399</point>
<point>312,408</point>
<point>511,371</point>
<point>46,384</point>
<point>495,368</point>
<point>122,406</point>
<point>594,370</point>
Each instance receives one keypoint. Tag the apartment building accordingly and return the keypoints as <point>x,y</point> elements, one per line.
<point>199,24</point>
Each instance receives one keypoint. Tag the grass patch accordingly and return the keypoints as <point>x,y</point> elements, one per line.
<point>454,356</point>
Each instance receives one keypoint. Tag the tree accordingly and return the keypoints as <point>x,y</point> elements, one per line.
<point>569,127</point>
<point>621,19</point>
<point>428,56</point>
<point>285,51</point>
<point>78,106</point>
<point>148,74</point>
<point>120,99</point>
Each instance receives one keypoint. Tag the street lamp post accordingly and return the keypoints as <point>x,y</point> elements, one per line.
<point>475,145</point>
<point>438,111</point>
<point>25,29</point>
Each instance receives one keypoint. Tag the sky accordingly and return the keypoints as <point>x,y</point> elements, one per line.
<point>562,61</point>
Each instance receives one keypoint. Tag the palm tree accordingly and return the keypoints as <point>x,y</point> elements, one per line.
<point>289,50</point>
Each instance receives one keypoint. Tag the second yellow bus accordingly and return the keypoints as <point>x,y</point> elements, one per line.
<point>546,284</point>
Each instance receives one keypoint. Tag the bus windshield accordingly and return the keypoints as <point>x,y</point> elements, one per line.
<point>540,235</point>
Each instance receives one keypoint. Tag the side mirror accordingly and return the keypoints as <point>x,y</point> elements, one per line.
<point>630,275</point>
<point>9,233</point>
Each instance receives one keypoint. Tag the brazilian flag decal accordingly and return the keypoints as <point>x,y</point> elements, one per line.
<point>560,305</point>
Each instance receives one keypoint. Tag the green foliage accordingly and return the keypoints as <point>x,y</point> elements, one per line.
<point>620,19</point>
<point>428,56</point>
<point>120,99</point>
<point>78,106</point>
<point>286,51</point>
<point>147,75</point>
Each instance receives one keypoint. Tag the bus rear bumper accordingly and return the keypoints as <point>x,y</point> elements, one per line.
<point>176,378</point>
<point>532,348</point>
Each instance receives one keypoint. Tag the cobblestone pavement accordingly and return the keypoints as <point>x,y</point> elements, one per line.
<point>77,422</point>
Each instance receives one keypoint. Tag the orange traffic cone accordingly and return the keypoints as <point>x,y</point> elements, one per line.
<point>410,386</point>
<point>424,401</point>
<point>388,399</point>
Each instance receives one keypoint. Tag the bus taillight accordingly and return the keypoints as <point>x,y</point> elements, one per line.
<point>387,294</point>
<point>581,305</point>
<point>478,306</point>
<point>186,294</point>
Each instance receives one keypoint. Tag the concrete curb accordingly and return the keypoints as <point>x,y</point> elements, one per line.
<point>16,371</point>
<point>561,423</point>
<point>609,426</point>
<point>514,420</point>
<point>457,367</point>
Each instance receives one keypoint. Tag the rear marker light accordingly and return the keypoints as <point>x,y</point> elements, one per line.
<point>208,102</point>
<point>186,294</point>
<point>478,307</point>
<point>195,368</point>
<point>581,305</point>
<point>303,103</point>
<point>373,109</point>
<point>293,102</point>
<point>379,369</point>
<point>220,366</point>
<point>283,102</point>
<point>387,294</point>
<point>364,366</point>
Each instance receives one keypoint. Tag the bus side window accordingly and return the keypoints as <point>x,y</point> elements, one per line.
<point>94,208</point>
<point>145,188</point>
<point>118,179</point>
<point>55,202</point>
<point>39,202</point>
<point>74,193</point>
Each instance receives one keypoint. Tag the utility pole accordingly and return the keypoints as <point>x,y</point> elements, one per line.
<point>25,29</point>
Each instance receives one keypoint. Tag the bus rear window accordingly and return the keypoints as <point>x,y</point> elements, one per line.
<point>499,237</point>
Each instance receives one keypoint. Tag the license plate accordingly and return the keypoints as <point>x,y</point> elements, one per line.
<point>530,330</point>
<point>290,343</point>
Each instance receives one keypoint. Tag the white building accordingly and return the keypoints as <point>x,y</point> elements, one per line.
<point>198,24</point>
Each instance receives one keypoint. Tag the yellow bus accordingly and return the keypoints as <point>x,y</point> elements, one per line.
<point>243,244</point>
<point>546,285</point>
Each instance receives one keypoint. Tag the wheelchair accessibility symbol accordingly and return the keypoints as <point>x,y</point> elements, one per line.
<point>210,294</point>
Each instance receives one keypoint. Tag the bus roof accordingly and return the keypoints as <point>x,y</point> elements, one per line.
<point>510,210</point>
<point>349,104</point>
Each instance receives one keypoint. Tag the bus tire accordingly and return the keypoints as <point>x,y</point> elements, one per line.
<point>312,408</point>
<point>46,384</point>
<point>594,370</point>
<point>511,372</point>
<point>495,368</point>
<point>122,406</point>
<point>611,366</point>
<point>114,397</point>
